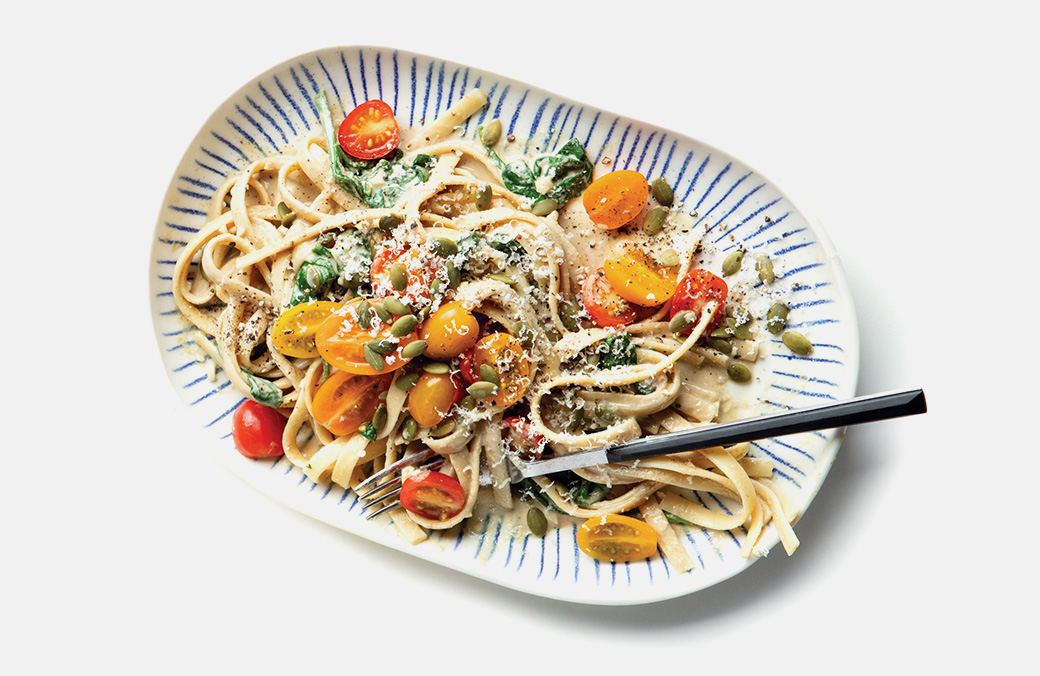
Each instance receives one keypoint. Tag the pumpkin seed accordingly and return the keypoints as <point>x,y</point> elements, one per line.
<point>468,403</point>
<point>396,307</point>
<point>364,314</point>
<point>414,349</point>
<point>743,332</point>
<point>383,314</point>
<point>443,430</point>
<point>491,133</point>
<point>765,269</point>
<point>654,222</point>
<point>524,334</point>
<point>569,310</point>
<point>409,429</point>
<point>670,258</point>
<point>398,277</point>
<point>454,275</point>
<point>505,279</point>
<point>444,247</point>
<point>285,214</point>
<point>732,263</point>
<point>407,381</point>
<point>544,207</point>
<point>374,359</point>
<point>740,314</point>
<point>489,375</point>
<point>483,197</point>
<point>739,373</point>
<point>776,318</point>
<point>381,345</point>
<point>482,390</point>
<point>536,522</point>
<point>389,222</point>
<point>796,342</point>
<point>403,326</point>
<point>662,192</point>
<point>720,344</point>
<point>681,321</point>
<point>424,313</point>
<point>436,367</point>
<point>379,418</point>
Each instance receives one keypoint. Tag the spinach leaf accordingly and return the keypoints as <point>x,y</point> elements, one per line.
<point>361,177</point>
<point>569,169</point>
<point>346,266</point>
<point>512,248</point>
<point>616,351</point>
<point>264,391</point>
<point>585,493</point>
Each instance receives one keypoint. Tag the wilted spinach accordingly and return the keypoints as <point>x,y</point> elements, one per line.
<point>569,169</point>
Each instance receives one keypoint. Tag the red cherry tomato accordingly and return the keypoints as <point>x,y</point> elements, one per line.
<point>604,304</point>
<point>369,131</point>
<point>524,438</point>
<point>420,273</point>
<point>257,430</point>
<point>695,290</point>
<point>432,495</point>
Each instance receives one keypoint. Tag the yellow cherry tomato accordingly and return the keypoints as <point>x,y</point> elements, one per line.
<point>615,199</point>
<point>346,401</point>
<point>617,538</point>
<point>431,399</point>
<point>449,331</point>
<point>506,355</point>
<point>341,342</point>
<point>638,278</point>
<point>294,330</point>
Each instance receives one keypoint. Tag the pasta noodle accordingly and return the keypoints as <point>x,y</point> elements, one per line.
<point>289,232</point>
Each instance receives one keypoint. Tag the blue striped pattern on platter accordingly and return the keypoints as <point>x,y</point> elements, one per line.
<point>736,205</point>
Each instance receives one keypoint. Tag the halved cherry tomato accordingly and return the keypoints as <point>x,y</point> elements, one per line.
<point>603,303</point>
<point>293,332</point>
<point>257,430</point>
<point>695,290</point>
<point>617,538</point>
<point>506,355</point>
<point>431,399</point>
<point>432,495</point>
<point>524,438</point>
<point>345,401</point>
<point>369,131</point>
<point>421,271</point>
<point>638,278</point>
<point>449,331</point>
<point>341,342</point>
<point>615,199</point>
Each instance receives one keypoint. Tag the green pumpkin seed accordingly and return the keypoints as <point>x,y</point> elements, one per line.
<point>569,311</point>
<point>383,314</point>
<point>398,277</point>
<point>379,418</point>
<point>468,403</point>
<point>776,318</point>
<point>407,381</point>
<point>403,326</point>
<point>654,222</point>
<point>739,373</point>
<point>414,349</point>
<point>364,314</point>
<point>740,314</point>
<point>553,336</point>
<point>536,522</point>
<point>409,429</point>
<point>731,265</point>
<point>681,321</point>
<point>381,345</point>
<point>443,430</point>
<point>489,375</point>
<point>505,279</point>
<point>491,132</point>
<point>437,287</point>
<point>796,342</point>
<point>670,258</point>
<point>765,269</point>
<point>454,275</point>
<point>720,344</point>
<point>396,307</point>
<point>436,367</point>
<point>483,197</point>
<point>524,334</point>
<point>743,332</point>
<point>374,359</point>
<point>482,390</point>
<point>389,222</point>
<point>285,214</point>
<point>722,332</point>
<point>444,247</point>
<point>544,207</point>
<point>662,192</point>
<point>423,314</point>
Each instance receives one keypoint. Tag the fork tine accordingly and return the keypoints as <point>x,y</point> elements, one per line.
<point>395,484</point>
<point>390,469</point>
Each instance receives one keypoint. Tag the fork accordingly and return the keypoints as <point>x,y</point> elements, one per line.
<point>386,483</point>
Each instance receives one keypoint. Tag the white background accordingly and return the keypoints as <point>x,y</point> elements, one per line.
<point>909,129</point>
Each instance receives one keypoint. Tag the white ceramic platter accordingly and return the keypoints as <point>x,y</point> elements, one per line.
<point>736,205</point>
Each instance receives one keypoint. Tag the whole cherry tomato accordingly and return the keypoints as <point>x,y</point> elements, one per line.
<point>257,430</point>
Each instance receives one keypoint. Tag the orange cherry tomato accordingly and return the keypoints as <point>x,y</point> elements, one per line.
<point>603,303</point>
<point>341,342</point>
<point>615,199</point>
<point>346,401</point>
<point>293,332</point>
<point>695,290</point>
<point>638,278</point>
<point>369,131</point>
<point>431,399</point>
<point>617,538</point>
<point>449,331</point>
<point>506,355</point>
<point>421,271</point>
<point>432,495</point>
<point>257,430</point>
